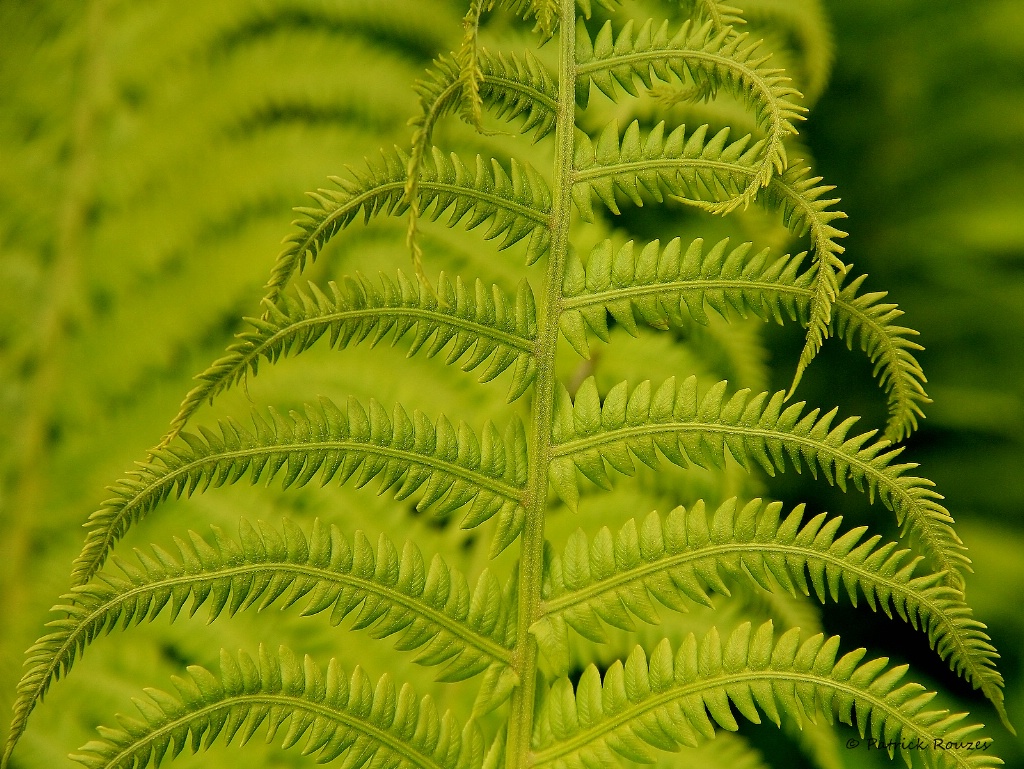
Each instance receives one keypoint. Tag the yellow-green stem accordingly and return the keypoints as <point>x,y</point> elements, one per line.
<point>524,657</point>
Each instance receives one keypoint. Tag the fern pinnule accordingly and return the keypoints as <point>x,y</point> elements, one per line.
<point>428,607</point>
<point>678,559</point>
<point>476,325</point>
<point>673,421</point>
<point>326,713</point>
<point>679,697</point>
<point>710,58</point>
<point>515,202</point>
<point>659,286</point>
<point>449,467</point>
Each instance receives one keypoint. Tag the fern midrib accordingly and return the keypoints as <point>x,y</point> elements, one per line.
<point>434,316</point>
<point>531,561</point>
<point>294,704</point>
<point>720,681</point>
<point>697,284</point>
<point>450,624</point>
<point>521,88</point>
<point>923,522</point>
<point>509,492</point>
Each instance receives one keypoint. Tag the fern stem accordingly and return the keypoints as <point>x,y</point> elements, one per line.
<point>531,562</point>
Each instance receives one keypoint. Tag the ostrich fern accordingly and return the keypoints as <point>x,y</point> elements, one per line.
<point>510,642</point>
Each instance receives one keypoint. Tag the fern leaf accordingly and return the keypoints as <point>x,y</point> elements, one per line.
<point>713,60</point>
<point>516,203</point>
<point>678,560</point>
<point>326,713</point>
<point>474,324</point>
<point>678,698</point>
<point>449,467</point>
<point>685,428</point>
<point>512,86</point>
<point>710,174</point>
<point>658,286</point>
<point>391,592</point>
<point>867,318</point>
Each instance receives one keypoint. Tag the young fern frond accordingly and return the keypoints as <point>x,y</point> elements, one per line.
<point>678,698</point>
<point>475,325</point>
<point>323,712</point>
<point>678,559</point>
<point>516,203</point>
<point>429,607</point>
<point>712,60</point>
<point>704,172</point>
<point>661,286</point>
<point>449,467</point>
<point>674,422</point>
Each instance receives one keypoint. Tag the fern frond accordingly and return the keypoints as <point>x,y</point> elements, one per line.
<point>516,203</point>
<point>713,60</point>
<point>449,467</point>
<point>390,592</point>
<point>513,87</point>
<point>685,428</point>
<point>324,712</point>
<point>474,324</point>
<point>866,318</point>
<point>708,174</point>
<point>658,286</point>
<point>677,560</point>
<point>678,698</point>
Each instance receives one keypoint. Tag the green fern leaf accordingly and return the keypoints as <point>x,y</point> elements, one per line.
<point>516,204</point>
<point>867,318</point>
<point>475,325</point>
<point>449,467</point>
<point>429,607</point>
<point>659,287</point>
<point>675,422</point>
<point>513,87</point>
<point>712,60</point>
<point>709,174</point>
<point>324,712</point>
<point>679,698</point>
<point>677,560</point>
